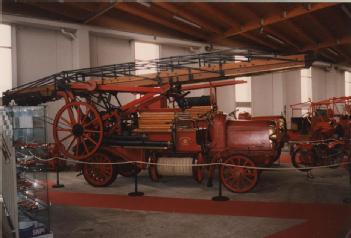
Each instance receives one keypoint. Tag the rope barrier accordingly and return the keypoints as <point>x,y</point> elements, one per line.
<point>193,165</point>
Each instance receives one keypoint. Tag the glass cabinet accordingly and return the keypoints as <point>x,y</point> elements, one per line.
<point>29,135</point>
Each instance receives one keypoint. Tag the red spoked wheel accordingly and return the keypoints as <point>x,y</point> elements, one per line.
<point>102,174</point>
<point>238,179</point>
<point>302,158</point>
<point>78,130</point>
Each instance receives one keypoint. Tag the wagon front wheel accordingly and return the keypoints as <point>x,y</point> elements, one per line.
<point>100,172</point>
<point>236,178</point>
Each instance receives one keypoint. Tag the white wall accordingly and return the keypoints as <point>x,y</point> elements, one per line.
<point>173,50</point>
<point>267,94</point>
<point>226,99</point>
<point>335,83</point>
<point>273,93</point>
<point>105,50</point>
<point>40,53</point>
<point>327,83</point>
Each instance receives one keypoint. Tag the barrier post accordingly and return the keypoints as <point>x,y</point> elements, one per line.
<point>136,193</point>
<point>57,185</point>
<point>220,197</point>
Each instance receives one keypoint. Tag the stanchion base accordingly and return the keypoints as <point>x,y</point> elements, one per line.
<point>220,198</point>
<point>58,186</point>
<point>347,200</point>
<point>136,194</point>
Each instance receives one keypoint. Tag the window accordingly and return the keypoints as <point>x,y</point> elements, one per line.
<point>5,58</point>
<point>144,52</point>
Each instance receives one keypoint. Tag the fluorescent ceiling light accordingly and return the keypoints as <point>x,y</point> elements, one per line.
<point>275,39</point>
<point>346,10</point>
<point>186,22</point>
<point>332,51</point>
<point>144,3</point>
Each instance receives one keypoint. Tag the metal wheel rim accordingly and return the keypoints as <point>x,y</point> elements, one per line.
<point>99,174</point>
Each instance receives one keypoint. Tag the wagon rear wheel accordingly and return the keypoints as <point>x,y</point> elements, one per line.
<point>238,179</point>
<point>78,130</point>
<point>102,174</point>
<point>128,170</point>
<point>302,158</point>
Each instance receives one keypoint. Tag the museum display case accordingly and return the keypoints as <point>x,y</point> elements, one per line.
<point>28,138</point>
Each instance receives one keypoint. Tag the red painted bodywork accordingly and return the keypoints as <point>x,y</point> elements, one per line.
<point>186,141</point>
<point>248,137</point>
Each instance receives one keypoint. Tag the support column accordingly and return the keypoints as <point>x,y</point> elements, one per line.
<point>226,99</point>
<point>335,80</point>
<point>347,84</point>
<point>81,48</point>
<point>327,83</point>
<point>291,91</point>
<point>267,94</point>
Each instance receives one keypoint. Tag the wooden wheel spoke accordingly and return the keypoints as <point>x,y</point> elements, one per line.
<point>231,177</point>
<point>67,123</point>
<point>77,146</point>
<point>247,179</point>
<point>71,115</point>
<point>89,123</point>
<point>70,145</point>
<point>65,138</point>
<point>239,179</point>
<point>79,116</point>
<point>89,138</point>
<point>85,146</point>
<point>63,129</point>
<point>235,182</point>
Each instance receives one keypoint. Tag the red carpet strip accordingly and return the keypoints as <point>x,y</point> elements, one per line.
<point>323,220</point>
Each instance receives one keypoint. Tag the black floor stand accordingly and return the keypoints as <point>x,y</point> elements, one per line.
<point>136,193</point>
<point>220,197</point>
<point>58,185</point>
<point>348,199</point>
